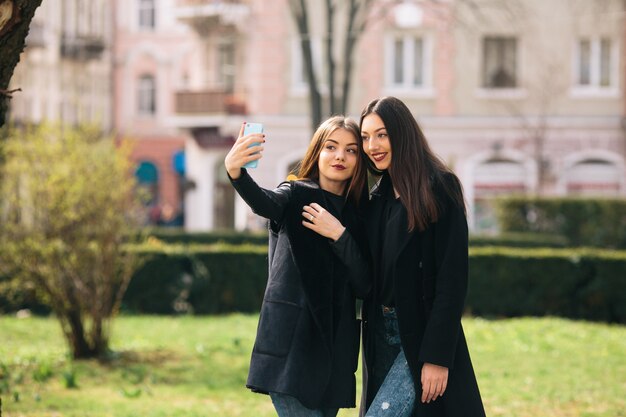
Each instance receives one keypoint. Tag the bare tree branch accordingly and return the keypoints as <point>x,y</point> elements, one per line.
<point>330,60</point>
<point>300,13</point>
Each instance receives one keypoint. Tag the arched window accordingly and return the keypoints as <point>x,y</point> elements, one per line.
<point>146,93</point>
<point>495,177</point>
<point>593,177</point>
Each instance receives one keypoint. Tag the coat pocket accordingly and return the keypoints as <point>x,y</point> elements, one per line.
<point>277,325</point>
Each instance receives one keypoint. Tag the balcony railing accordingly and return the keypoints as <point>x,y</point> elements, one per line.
<point>208,102</point>
<point>206,15</point>
<point>82,47</point>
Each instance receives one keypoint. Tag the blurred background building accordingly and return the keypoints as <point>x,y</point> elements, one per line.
<point>517,96</point>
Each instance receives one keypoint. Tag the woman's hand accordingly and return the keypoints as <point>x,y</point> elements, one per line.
<point>322,222</point>
<point>241,153</point>
<point>434,381</point>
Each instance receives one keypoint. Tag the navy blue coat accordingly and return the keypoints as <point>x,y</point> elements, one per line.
<point>430,277</point>
<point>307,340</point>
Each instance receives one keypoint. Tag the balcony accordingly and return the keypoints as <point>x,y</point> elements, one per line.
<point>82,47</point>
<point>36,35</point>
<point>207,15</point>
<point>194,103</point>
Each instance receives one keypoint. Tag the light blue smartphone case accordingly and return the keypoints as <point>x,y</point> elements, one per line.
<point>248,129</point>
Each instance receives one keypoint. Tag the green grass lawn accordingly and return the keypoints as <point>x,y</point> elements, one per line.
<point>196,366</point>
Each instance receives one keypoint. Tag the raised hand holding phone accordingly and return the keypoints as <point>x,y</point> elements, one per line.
<point>247,149</point>
<point>250,128</point>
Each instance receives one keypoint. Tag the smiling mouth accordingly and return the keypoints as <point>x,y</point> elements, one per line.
<point>379,156</point>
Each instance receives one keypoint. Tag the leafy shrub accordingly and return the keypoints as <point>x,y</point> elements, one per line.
<point>519,240</point>
<point>180,236</point>
<point>582,221</point>
<point>581,284</point>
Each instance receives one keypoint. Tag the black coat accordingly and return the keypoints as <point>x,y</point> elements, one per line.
<point>430,276</point>
<point>307,340</point>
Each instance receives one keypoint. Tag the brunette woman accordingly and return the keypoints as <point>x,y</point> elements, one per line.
<point>416,356</point>
<point>306,349</point>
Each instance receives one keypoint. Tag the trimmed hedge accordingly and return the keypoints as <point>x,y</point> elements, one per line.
<point>582,221</point>
<point>504,282</point>
<point>519,240</point>
<point>581,284</point>
<point>175,236</point>
<point>203,279</point>
<point>180,236</point>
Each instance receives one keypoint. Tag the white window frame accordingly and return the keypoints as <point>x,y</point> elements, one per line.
<point>146,96</point>
<point>407,88</point>
<point>225,69</point>
<point>141,9</point>
<point>299,84</point>
<point>594,89</point>
<point>501,93</point>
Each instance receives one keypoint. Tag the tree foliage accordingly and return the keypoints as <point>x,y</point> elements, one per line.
<point>67,207</point>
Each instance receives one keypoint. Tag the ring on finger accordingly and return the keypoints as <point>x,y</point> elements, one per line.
<point>311,217</point>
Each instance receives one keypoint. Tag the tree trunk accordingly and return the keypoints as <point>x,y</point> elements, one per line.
<point>300,13</point>
<point>15,18</point>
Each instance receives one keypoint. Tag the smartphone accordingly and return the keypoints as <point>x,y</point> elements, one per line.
<point>248,129</point>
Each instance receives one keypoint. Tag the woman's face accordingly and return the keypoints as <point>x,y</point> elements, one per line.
<point>375,141</point>
<point>338,159</point>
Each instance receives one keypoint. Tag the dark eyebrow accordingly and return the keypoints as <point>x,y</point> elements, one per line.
<point>379,129</point>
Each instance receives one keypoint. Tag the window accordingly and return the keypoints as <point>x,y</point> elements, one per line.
<point>407,62</point>
<point>594,63</point>
<point>147,95</point>
<point>499,62</point>
<point>593,177</point>
<point>147,14</point>
<point>298,69</point>
<point>226,66</point>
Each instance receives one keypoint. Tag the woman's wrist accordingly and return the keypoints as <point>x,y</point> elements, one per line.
<point>338,234</point>
<point>234,173</point>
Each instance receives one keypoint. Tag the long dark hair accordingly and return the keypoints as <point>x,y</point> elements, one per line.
<point>308,167</point>
<point>414,166</point>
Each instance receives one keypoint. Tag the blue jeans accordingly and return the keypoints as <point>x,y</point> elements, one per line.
<point>395,396</point>
<point>288,406</point>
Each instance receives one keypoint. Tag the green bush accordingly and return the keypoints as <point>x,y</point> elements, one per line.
<point>504,282</point>
<point>204,279</point>
<point>180,236</point>
<point>582,221</point>
<point>519,240</point>
<point>581,284</point>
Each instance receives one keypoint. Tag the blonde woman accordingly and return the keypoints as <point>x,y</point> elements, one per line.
<point>307,343</point>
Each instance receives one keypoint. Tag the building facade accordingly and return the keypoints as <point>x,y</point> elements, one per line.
<point>522,97</point>
<point>153,54</point>
<point>517,96</point>
<point>65,71</point>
